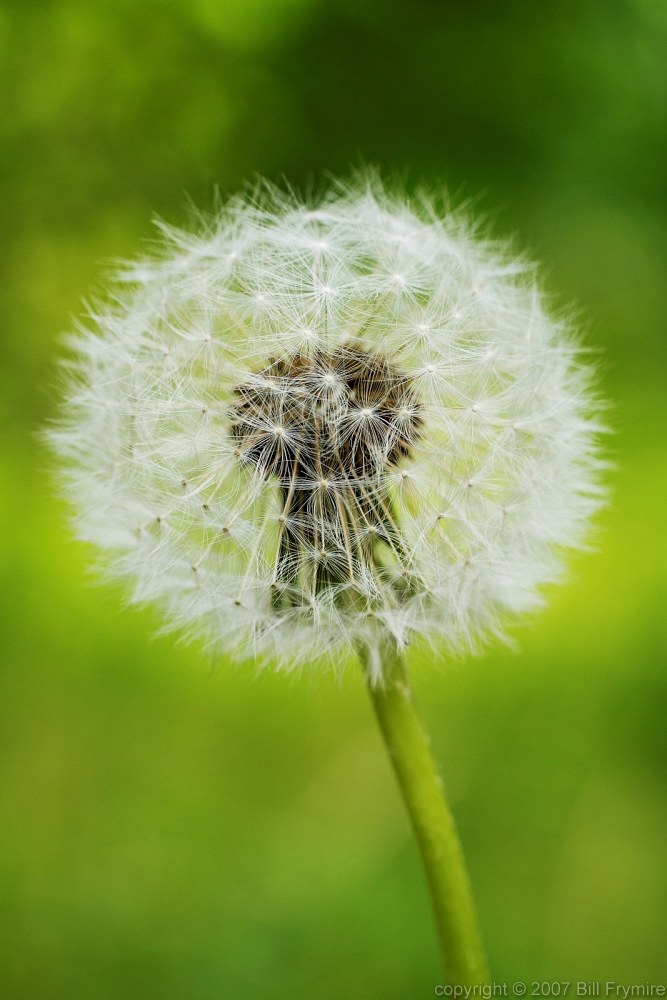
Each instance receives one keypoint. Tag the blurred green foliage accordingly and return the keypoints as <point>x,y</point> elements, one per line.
<point>171,828</point>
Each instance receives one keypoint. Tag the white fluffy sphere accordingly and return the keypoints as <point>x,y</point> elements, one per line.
<point>306,428</point>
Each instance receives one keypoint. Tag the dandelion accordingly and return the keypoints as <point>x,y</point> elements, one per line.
<point>309,432</point>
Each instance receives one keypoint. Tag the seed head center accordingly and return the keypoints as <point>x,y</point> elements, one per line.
<point>298,418</point>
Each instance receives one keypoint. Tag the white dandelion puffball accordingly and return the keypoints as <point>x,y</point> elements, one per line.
<point>307,429</point>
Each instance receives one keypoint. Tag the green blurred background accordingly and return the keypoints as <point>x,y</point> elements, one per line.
<point>172,828</point>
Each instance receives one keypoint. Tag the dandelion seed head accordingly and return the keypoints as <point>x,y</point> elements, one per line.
<point>309,428</point>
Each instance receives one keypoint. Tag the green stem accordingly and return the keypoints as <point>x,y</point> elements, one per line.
<point>432,822</point>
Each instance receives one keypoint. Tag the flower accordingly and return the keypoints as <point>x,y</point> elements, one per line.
<point>307,428</point>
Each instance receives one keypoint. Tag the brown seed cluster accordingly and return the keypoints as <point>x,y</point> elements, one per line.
<point>344,416</point>
<point>328,426</point>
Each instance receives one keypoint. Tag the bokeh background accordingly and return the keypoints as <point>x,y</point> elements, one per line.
<point>174,829</point>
